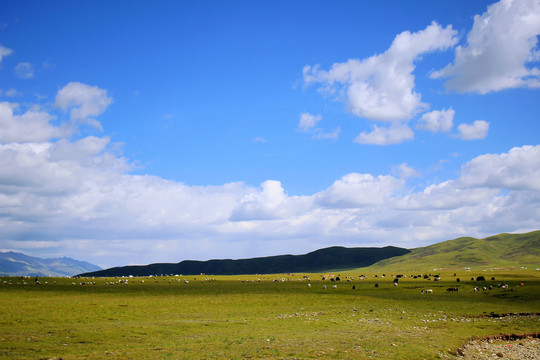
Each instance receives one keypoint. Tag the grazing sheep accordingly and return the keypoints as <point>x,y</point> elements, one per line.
<point>429,291</point>
<point>308,285</point>
<point>334,287</point>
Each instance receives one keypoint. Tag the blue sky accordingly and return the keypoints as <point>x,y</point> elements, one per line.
<point>136,132</point>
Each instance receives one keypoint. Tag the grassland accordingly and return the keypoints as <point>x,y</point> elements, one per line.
<point>238,317</point>
<point>503,250</point>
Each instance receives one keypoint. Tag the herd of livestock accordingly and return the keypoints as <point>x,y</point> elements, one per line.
<point>24,280</point>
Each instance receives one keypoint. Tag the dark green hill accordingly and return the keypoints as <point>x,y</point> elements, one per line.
<point>501,250</point>
<point>333,258</point>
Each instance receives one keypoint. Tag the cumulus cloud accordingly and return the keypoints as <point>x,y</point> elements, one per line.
<point>359,190</point>
<point>519,169</point>
<point>396,133</point>
<point>31,126</point>
<point>78,195</point>
<point>269,202</point>
<point>24,70</point>
<point>381,87</point>
<point>308,121</point>
<point>437,120</point>
<point>500,50</point>
<point>404,171</point>
<point>475,131</point>
<point>84,101</point>
<point>4,51</point>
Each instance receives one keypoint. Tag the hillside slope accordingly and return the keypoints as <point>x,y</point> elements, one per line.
<point>496,251</point>
<point>17,264</point>
<point>317,261</point>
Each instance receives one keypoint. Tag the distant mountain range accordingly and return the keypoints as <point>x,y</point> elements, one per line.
<point>332,258</point>
<point>17,264</point>
<point>503,250</point>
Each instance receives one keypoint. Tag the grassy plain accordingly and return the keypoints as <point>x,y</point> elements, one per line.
<point>237,317</point>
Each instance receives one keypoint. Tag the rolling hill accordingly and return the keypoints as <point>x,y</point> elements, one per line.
<point>332,258</point>
<point>503,250</point>
<point>17,264</point>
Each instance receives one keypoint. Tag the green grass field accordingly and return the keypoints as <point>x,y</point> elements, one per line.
<point>237,317</point>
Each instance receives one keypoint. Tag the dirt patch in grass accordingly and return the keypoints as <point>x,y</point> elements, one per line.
<point>498,316</point>
<point>503,346</point>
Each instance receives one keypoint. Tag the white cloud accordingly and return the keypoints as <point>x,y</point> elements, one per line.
<point>437,121</point>
<point>396,133</point>
<point>270,202</point>
<point>4,51</point>
<point>32,126</point>
<point>85,101</point>
<point>308,121</point>
<point>24,70</point>
<point>359,190</point>
<point>320,134</point>
<point>519,169</point>
<point>475,131</point>
<point>404,171</point>
<point>500,50</point>
<point>381,87</point>
<point>79,196</point>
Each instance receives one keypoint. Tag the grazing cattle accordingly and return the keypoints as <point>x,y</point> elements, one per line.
<point>458,280</point>
<point>429,291</point>
<point>324,287</point>
<point>354,287</point>
<point>376,285</point>
<point>480,278</point>
<point>475,289</point>
<point>334,287</point>
<point>395,284</point>
<point>452,289</point>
